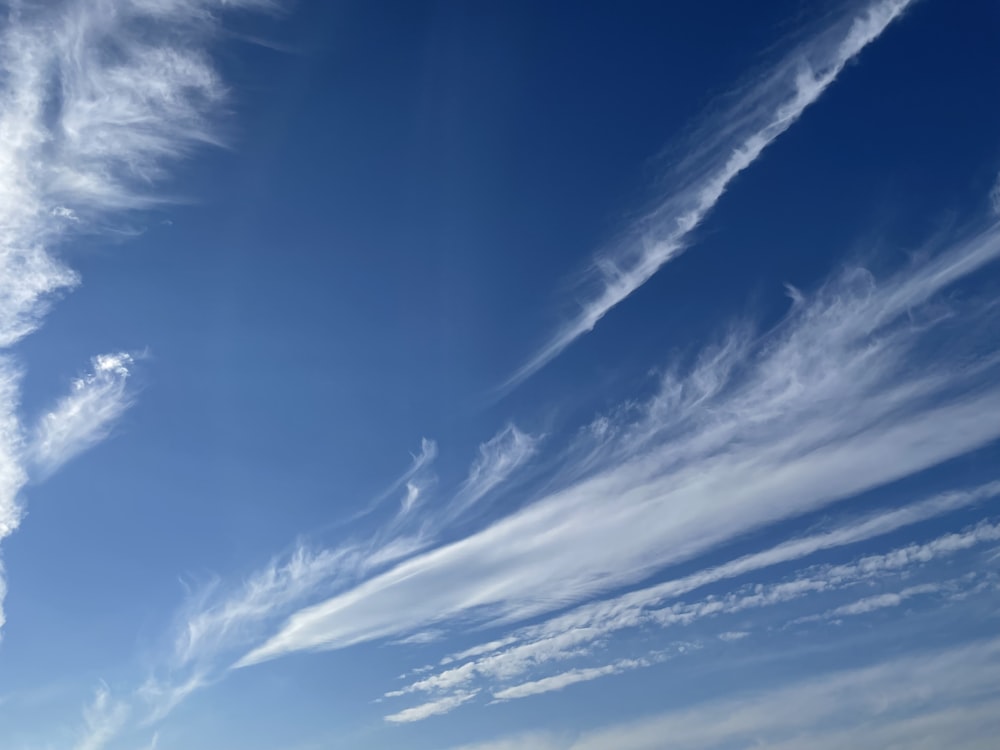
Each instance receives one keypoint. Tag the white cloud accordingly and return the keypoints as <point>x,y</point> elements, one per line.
<point>995,197</point>
<point>214,621</point>
<point>572,677</point>
<point>889,695</point>
<point>379,554</point>
<point>882,601</point>
<point>835,401</point>
<point>218,620</point>
<point>12,473</point>
<point>163,697</point>
<point>592,621</point>
<point>421,637</point>
<point>431,708</point>
<point>103,720</point>
<point>723,149</point>
<point>412,496</point>
<point>96,99</point>
<point>731,636</point>
<point>84,417</point>
<point>573,634</point>
<point>925,701</point>
<point>413,480</point>
<point>498,458</point>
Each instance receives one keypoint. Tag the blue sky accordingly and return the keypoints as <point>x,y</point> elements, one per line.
<point>479,376</point>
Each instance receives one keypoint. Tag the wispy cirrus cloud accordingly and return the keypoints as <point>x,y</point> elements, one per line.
<point>410,483</point>
<point>84,417</point>
<point>934,699</point>
<point>498,459</point>
<point>161,697</point>
<point>563,680</point>
<point>103,720</point>
<point>731,636</point>
<point>881,601</point>
<point>96,99</point>
<point>575,634</point>
<point>218,620</point>
<point>596,620</point>
<point>864,382</point>
<point>210,623</point>
<point>722,149</point>
<point>12,472</point>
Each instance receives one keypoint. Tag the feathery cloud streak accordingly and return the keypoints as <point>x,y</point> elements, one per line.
<point>103,719</point>
<point>84,417</point>
<point>498,458</point>
<point>573,677</point>
<point>728,145</point>
<point>95,99</point>
<point>215,620</point>
<point>210,626</point>
<point>411,481</point>
<point>577,632</point>
<point>597,619</point>
<point>848,393</point>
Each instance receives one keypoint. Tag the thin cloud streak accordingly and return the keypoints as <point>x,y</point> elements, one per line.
<point>594,619</point>
<point>215,621</point>
<point>431,708</point>
<point>161,698</point>
<point>103,720</point>
<point>761,116</point>
<point>570,677</point>
<point>84,417</point>
<point>498,459</point>
<point>833,402</point>
<point>411,478</point>
<point>881,601</point>
<point>210,625</point>
<point>576,633</point>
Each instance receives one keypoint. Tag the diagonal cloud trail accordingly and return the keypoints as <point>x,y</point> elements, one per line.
<point>761,116</point>
<point>564,634</point>
<point>84,417</point>
<point>863,384</point>
<point>218,621</point>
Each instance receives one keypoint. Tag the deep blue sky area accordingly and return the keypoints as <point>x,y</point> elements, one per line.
<point>372,462</point>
